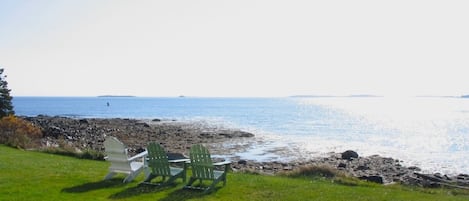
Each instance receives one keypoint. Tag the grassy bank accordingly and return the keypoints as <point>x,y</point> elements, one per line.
<point>26,175</point>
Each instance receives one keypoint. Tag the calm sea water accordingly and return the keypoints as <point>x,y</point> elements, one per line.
<point>432,133</point>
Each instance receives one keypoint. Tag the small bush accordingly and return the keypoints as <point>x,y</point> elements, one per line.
<point>92,154</point>
<point>352,181</point>
<point>16,132</point>
<point>250,171</point>
<point>87,154</point>
<point>59,151</point>
<point>65,148</point>
<point>316,171</point>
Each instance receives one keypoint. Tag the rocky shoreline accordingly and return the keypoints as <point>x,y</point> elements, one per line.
<point>177,137</point>
<point>89,133</point>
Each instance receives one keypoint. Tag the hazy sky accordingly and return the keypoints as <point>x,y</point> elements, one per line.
<point>235,48</point>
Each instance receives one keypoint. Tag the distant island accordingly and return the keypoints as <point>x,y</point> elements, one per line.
<point>116,96</point>
<point>363,95</point>
<point>465,96</point>
<point>312,96</point>
<point>332,96</point>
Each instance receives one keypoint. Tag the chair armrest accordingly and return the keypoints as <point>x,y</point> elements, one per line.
<point>140,155</point>
<point>201,164</point>
<point>225,163</point>
<point>222,163</point>
<point>179,160</point>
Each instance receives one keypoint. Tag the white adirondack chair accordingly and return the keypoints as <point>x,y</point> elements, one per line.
<point>120,162</point>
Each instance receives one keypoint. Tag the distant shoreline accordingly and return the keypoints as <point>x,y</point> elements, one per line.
<point>116,96</point>
<point>336,96</point>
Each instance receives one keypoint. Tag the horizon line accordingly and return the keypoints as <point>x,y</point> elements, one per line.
<point>285,96</point>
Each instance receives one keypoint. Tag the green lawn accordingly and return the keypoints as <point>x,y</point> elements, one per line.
<point>27,175</point>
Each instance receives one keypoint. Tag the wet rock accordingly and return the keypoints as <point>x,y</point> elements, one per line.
<point>414,168</point>
<point>373,178</point>
<point>142,124</point>
<point>362,167</point>
<point>342,165</point>
<point>235,133</point>
<point>438,175</point>
<point>463,177</point>
<point>349,154</point>
<point>242,162</point>
<point>428,177</point>
<point>241,134</point>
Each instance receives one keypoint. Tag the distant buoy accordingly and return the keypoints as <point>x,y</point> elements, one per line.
<point>107,104</point>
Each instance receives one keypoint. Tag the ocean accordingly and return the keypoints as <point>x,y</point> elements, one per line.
<point>429,132</point>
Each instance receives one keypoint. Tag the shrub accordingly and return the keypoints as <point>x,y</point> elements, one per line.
<point>317,171</point>
<point>86,154</point>
<point>18,133</point>
<point>328,172</point>
<point>92,154</point>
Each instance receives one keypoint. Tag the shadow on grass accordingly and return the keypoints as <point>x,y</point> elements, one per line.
<point>94,186</point>
<point>139,190</point>
<point>184,194</point>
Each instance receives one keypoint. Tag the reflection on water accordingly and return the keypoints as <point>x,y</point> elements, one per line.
<point>432,133</point>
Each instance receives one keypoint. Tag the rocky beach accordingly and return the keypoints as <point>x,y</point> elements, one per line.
<point>177,137</point>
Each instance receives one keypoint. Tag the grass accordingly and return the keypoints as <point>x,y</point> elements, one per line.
<point>27,175</point>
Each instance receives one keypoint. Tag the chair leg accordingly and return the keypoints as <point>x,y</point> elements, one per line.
<point>173,178</point>
<point>132,175</point>
<point>109,175</point>
<point>224,180</point>
<point>191,181</point>
<point>129,178</point>
<point>149,178</point>
<point>212,186</point>
<point>184,173</point>
<point>147,173</point>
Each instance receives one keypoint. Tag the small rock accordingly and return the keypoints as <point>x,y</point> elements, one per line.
<point>362,167</point>
<point>414,168</point>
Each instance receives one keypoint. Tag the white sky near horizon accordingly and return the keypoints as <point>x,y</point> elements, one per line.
<point>250,48</point>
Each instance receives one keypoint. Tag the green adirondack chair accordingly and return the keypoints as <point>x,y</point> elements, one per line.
<point>204,169</point>
<point>157,164</point>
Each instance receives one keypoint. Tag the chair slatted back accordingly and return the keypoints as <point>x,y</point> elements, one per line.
<point>116,153</point>
<point>201,162</point>
<point>158,160</point>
